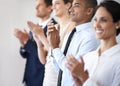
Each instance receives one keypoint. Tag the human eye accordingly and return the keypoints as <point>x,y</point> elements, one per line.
<point>76,5</point>
<point>103,19</point>
<point>95,19</point>
<point>57,2</point>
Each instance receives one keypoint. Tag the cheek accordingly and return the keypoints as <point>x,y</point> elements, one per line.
<point>110,30</point>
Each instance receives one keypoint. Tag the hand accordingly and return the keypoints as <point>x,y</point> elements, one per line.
<point>76,68</point>
<point>38,34</point>
<point>36,29</point>
<point>77,81</point>
<point>22,36</point>
<point>53,36</point>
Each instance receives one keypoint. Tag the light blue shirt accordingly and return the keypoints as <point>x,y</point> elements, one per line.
<point>83,41</point>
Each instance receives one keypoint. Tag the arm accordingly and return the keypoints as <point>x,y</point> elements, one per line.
<point>23,38</point>
<point>41,40</point>
<point>54,39</point>
<point>38,34</point>
<point>42,52</point>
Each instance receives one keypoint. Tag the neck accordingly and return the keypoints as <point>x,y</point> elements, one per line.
<point>63,20</point>
<point>106,44</point>
<point>82,22</point>
<point>42,19</point>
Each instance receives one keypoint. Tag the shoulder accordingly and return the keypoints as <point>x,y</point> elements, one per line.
<point>89,57</point>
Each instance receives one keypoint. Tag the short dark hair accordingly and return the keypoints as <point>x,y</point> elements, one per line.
<point>48,2</point>
<point>113,8</point>
<point>91,4</point>
<point>68,1</point>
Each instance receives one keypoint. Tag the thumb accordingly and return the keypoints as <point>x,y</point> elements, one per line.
<point>81,60</point>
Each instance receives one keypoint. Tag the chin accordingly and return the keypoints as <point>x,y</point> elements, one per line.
<point>98,37</point>
<point>37,15</point>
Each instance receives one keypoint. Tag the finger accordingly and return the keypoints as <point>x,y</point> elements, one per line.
<point>68,65</point>
<point>57,27</point>
<point>80,59</point>
<point>69,61</point>
<point>50,22</point>
<point>72,58</point>
<point>50,27</point>
<point>31,25</point>
<point>16,31</point>
<point>68,57</point>
<point>25,31</point>
<point>50,30</point>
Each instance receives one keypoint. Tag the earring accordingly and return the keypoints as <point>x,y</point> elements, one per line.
<point>117,27</point>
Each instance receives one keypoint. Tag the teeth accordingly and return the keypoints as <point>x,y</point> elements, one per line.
<point>99,31</point>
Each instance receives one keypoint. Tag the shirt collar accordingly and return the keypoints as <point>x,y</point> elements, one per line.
<point>110,51</point>
<point>43,24</point>
<point>83,26</point>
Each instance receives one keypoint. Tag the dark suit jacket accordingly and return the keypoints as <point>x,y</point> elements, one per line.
<point>34,70</point>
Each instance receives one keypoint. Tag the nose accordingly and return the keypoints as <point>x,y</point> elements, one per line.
<point>96,24</point>
<point>36,7</point>
<point>53,6</point>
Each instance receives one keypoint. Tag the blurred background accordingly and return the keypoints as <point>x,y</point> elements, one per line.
<point>13,13</point>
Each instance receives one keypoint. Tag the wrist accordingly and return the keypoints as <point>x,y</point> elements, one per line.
<point>53,47</point>
<point>84,77</point>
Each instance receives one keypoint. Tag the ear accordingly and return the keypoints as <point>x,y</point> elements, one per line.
<point>90,11</point>
<point>49,8</point>
<point>68,5</point>
<point>117,25</point>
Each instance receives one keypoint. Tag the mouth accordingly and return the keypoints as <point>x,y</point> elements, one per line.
<point>98,31</point>
<point>71,14</point>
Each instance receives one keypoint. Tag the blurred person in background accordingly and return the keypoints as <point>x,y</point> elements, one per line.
<point>34,70</point>
<point>65,25</point>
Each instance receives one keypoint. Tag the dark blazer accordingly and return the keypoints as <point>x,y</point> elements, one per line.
<point>34,70</point>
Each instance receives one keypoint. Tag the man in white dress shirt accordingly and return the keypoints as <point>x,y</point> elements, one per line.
<point>83,40</point>
<point>103,64</point>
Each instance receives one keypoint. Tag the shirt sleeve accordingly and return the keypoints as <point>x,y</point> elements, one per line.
<point>55,65</point>
<point>90,82</point>
<point>25,51</point>
<point>60,58</point>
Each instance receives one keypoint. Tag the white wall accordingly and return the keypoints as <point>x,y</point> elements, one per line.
<point>13,13</point>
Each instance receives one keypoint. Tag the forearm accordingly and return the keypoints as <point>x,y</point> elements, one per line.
<point>42,54</point>
<point>44,42</point>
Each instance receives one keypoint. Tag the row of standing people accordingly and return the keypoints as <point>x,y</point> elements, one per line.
<point>50,50</point>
